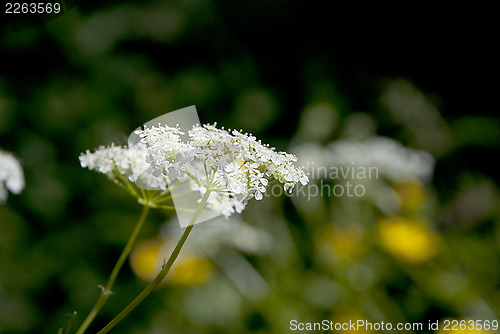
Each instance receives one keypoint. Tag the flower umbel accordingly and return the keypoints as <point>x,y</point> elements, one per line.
<point>11,175</point>
<point>234,165</point>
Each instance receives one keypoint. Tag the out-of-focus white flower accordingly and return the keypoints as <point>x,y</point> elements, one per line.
<point>11,175</point>
<point>392,160</point>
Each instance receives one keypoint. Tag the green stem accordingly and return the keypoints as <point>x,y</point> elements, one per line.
<point>164,271</point>
<point>195,179</point>
<point>165,192</point>
<point>106,291</point>
<point>126,184</point>
<point>71,321</point>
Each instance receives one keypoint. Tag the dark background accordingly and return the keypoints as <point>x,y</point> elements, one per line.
<point>92,75</point>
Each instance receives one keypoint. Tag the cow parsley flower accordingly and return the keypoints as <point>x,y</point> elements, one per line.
<point>235,166</point>
<point>232,165</point>
<point>11,175</point>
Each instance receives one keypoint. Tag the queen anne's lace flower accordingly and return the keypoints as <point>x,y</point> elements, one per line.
<point>11,175</point>
<point>236,165</point>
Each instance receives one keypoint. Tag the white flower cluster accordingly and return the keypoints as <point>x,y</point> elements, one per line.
<point>235,164</point>
<point>129,162</point>
<point>11,175</point>
<point>167,155</point>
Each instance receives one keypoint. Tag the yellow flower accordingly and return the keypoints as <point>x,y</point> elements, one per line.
<point>144,259</point>
<point>191,270</point>
<point>148,257</point>
<point>407,239</point>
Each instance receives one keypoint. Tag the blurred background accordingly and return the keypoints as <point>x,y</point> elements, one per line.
<point>405,88</point>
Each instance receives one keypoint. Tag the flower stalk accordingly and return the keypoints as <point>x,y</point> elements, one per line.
<point>106,290</point>
<point>163,272</point>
